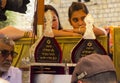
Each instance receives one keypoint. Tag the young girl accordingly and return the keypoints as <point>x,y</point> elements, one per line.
<point>76,13</point>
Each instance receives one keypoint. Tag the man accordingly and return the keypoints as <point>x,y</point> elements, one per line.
<point>94,68</point>
<point>8,72</point>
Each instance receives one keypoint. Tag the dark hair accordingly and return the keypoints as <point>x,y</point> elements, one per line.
<point>75,6</point>
<point>12,5</point>
<point>49,7</point>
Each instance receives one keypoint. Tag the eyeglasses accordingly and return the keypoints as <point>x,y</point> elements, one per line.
<point>6,53</point>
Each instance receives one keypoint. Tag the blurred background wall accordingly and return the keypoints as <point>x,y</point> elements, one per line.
<point>105,12</point>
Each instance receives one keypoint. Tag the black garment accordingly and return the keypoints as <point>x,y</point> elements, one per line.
<point>13,5</point>
<point>17,5</point>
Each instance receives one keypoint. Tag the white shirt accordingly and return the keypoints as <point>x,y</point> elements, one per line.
<point>14,75</point>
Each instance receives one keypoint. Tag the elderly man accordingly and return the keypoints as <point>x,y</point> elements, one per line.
<point>94,68</point>
<point>8,72</point>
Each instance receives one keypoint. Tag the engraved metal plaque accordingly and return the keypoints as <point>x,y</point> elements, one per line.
<point>86,47</point>
<point>48,51</point>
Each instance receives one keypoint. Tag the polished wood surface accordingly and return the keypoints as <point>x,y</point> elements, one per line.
<point>40,12</point>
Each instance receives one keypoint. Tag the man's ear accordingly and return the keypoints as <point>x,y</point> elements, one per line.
<point>79,81</point>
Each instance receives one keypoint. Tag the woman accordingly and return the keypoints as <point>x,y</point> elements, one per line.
<point>56,21</point>
<point>76,13</point>
<point>56,25</point>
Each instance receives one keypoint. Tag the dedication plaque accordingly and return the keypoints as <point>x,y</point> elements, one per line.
<point>48,51</point>
<point>86,47</point>
<point>88,44</point>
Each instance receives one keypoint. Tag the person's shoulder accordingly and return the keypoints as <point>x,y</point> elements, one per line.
<point>15,69</point>
<point>15,74</point>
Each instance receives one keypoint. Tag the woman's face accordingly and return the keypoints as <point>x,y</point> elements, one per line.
<point>77,19</point>
<point>55,23</point>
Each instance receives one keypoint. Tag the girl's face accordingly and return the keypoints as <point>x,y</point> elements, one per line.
<point>55,23</point>
<point>77,19</point>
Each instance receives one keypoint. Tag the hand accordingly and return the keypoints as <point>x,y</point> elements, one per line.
<point>80,30</point>
<point>68,30</point>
